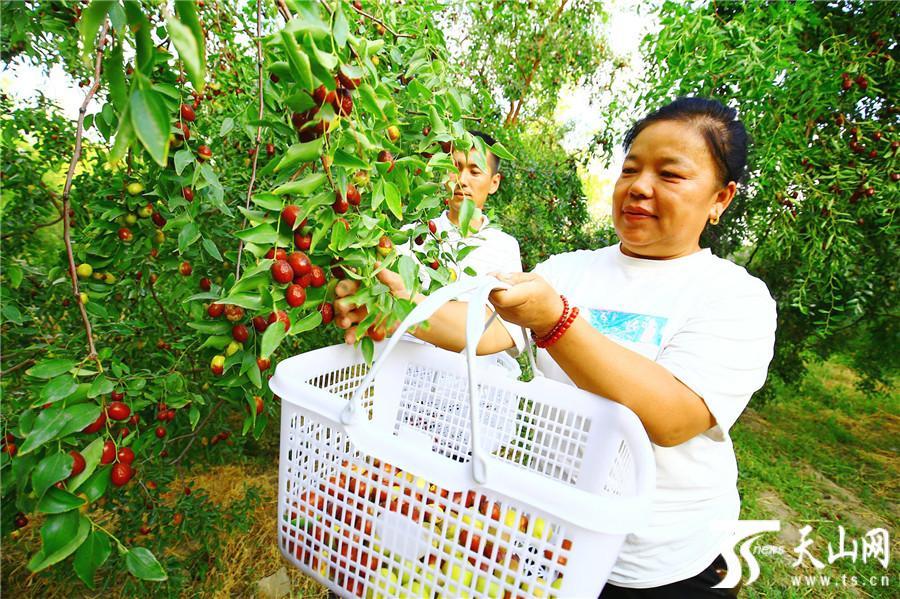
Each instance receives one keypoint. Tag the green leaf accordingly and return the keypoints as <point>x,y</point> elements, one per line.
<point>392,197</point>
<point>188,235</point>
<point>502,152</point>
<point>95,486</point>
<point>91,19</point>
<point>48,369</point>
<point>44,559</point>
<point>50,471</point>
<point>244,300</point>
<point>370,100</point>
<point>299,61</point>
<point>150,119</point>
<point>79,416</point>
<point>227,126</point>
<point>142,564</point>
<point>91,454</point>
<point>408,271</point>
<point>61,534</point>
<point>268,201</point>
<point>115,75</point>
<point>368,349</point>
<point>466,211</point>
<point>211,327</point>
<point>262,234</point>
<point>92,554</point>
<point>304,186</point>
<point>140,27</point>
<point>57,501</point>
<point>193,416</point>
<point>190,49</point>
<point>46,426</point>
<point>307,323</point>
<point>59,388</point>
<point>210,246</point>
<point>124,137</point>
<point>182,159</point>
<point>299,153</point>
<point>187,13</point>
<point>271,339</point>
<point>341,28</point>
<point>100,386</point>
<point>348,160</point>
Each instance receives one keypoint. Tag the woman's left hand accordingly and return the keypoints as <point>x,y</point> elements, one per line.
<point>530,302</point>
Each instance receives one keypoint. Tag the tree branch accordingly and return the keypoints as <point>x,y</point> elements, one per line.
<point>18,366</point>
<point>380,22</point>
<point>195,432</point>
<point>67,188</point>
<point>259,69</point>
<point>161,309</point>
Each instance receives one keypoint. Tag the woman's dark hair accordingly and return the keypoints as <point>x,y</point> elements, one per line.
<point>724,133</point>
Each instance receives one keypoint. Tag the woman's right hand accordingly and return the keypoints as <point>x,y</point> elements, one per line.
<point>348,314</point>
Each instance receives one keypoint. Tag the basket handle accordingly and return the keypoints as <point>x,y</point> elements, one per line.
<point>474,321</point>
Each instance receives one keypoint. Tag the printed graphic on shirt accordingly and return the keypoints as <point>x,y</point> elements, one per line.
<point>639,332</point>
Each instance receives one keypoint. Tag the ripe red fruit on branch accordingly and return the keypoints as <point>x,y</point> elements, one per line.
<point>340,205</point>
<point>435,265</point>
<point>263,364</point>
<point>185,269</point>
<point>187,193</point>
<point>432,226</point>
<point>276,254</point>
<point>283,317</point>
<point>96,425</point>
<point>282,271</point>
<point>353,197</point>
<point>204,153</point>
<point>158,219</point>
<point>234,313</point>
<point>317,276</point>
<point>385,245</point>
<point>385,156</point>
<point>862,82</point>
<point>120,475</point>
<point>217,365</point>
<point>109,452</point>
<point>376,333</point>
<point>240,333</point>
<point>185,132</point>
<point>299,263</point>
<point>327,312</point>
<point>303,241</point>
<point>259,404</point>
<point>270,149</point>
<point>289,214</point>
<point>125,455</point>
<point>187,113</point>
<point>260,324</point>
<point>117,395</point>
<point>846,84</point>
<point>78,463</point>
<point>205,284</point>
<point>125,234</point>
<point>348,82</point>
<point>215,310</point>
<point>343,102</point>
<point>160,432</point>
<point>295,295</point>
<point>118,410</point>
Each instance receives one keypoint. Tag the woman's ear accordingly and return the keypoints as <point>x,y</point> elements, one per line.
<point>722,200</point>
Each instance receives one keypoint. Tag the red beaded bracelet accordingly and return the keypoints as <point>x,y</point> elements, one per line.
<point>565,320</point>
<point>545,343</point>
<point>559,322</point>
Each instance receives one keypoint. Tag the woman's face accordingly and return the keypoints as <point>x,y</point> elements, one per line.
<point>668,189</point>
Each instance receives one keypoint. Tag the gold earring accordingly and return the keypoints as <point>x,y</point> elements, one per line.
<point>714,220</point>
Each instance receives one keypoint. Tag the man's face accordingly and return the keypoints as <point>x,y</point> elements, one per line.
<point>471,181</point>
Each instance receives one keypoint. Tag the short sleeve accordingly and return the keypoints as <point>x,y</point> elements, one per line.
<point>722,352</point>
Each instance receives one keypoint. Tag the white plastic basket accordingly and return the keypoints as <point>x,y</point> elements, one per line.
<point>382,492</point>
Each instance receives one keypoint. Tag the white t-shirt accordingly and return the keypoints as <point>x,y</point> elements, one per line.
<point>496,252</point>
<point>712,325</point>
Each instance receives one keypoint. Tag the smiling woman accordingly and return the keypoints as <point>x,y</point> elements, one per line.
<point>658,324</point>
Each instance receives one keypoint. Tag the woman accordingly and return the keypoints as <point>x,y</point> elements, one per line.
<point>681,337</point>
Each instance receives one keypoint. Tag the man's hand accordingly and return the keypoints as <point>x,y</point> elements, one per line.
<point>349,314</point>
<point>530,302</point>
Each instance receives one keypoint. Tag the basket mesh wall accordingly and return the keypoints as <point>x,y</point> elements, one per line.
<point>367,526</point>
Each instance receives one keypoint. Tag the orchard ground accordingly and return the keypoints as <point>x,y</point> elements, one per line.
<point>823,454</point>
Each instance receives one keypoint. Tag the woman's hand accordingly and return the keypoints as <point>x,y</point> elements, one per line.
<point>349,314</point>
<point>530,302</point>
